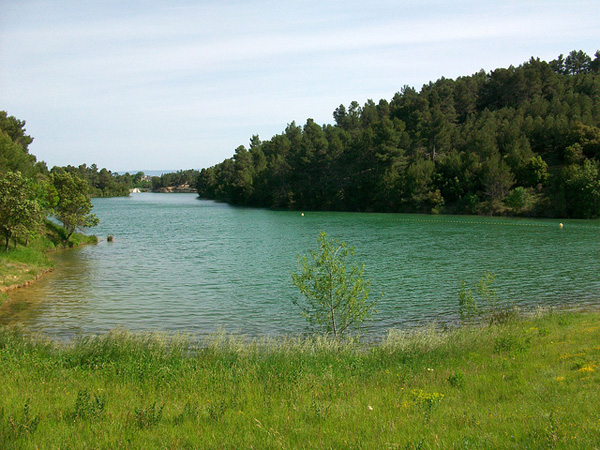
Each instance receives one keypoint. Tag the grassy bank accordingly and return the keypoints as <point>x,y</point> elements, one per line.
<point>22,265</point>
<point>533,383</point>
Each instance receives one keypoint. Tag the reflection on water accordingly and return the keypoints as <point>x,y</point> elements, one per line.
<point>183,264</point>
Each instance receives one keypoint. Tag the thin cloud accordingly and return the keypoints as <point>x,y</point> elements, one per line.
<point>107,81</point>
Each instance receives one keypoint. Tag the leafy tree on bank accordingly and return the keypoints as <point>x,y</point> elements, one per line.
<point>20,212</point>
<point>72,205</point>
<point>336,296</point>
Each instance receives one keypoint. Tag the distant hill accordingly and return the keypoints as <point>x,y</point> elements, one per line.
<point>517,141</point>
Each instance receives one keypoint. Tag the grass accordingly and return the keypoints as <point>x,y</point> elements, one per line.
<point>532,383</point>
<point>22,265</point>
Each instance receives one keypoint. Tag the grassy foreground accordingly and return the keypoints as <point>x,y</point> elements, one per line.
<point>22,265</point>
<point>533,383</point>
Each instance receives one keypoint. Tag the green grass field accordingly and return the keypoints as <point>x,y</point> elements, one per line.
<point>532,383</point>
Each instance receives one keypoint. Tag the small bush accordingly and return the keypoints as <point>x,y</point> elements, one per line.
<point>484,303</point>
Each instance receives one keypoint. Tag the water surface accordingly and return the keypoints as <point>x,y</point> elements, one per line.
<point>178,263</point>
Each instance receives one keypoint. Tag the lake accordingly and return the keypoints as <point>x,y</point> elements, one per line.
<point>179,263</point>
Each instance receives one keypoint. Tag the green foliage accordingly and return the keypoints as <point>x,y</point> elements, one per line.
<point>20,212</point>
<point>146,417</point>
<point>21,425</point>
<point>467,305</point>
<point>484,303</point>
<point>456,146</point>
<point>535,172</point>
<point>531,383</point>
<point>335,294</point>
<point>456,379</point>
<point>582,189</point>
<point>88,407</point>
<point>14,143</point>
<point>103,182</point>
<point>518,199</point>
<point>73,206</point>
<point>183,179</point>
<point>427,401</point>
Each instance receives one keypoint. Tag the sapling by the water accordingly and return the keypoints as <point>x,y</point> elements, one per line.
<point>336,296</point>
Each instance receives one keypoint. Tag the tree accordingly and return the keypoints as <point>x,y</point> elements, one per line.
<point>15,129</point>
<point>336,294</point>
<point>13,157</point>
<point>534,172</point>
<point>73,204</point>
<point>518,199</point>
<point>497,178</point>
<point>20,213</point>
<point>578,62</point>
<point>582,190</point>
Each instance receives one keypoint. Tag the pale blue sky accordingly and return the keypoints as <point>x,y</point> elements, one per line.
<point>179,84</point>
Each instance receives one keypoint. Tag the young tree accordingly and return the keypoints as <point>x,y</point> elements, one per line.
<point>20,213</point>
<point>336,296</point>
<point>72,203</point>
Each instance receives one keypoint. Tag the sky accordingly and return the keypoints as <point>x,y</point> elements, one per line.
<point>180,84</point>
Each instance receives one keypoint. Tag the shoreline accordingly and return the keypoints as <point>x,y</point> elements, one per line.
<point>29,264</point>
<point>24,284</point>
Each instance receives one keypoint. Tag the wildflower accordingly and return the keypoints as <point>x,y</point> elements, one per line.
<point>370,407</point>
<point>560,378</point>
<point>588,368</point>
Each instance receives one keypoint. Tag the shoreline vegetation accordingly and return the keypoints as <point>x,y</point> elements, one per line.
<point>529,383</point>
<point>21,266</point>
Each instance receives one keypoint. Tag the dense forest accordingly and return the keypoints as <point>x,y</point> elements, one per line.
<point>520,141</point>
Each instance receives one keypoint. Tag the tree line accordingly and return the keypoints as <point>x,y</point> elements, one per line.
<point>181,178</point>
<point>29,192</point>
<point>517,141</point>
<point>105,183</point>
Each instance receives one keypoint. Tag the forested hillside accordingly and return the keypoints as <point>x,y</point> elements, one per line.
<point>521,140</point>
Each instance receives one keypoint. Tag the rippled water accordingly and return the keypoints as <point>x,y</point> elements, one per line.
<point>178,263</point>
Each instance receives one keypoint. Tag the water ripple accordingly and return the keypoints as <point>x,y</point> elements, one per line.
<point>182,264</point>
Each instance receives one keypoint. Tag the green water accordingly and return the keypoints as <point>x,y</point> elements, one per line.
<point>178,263</point>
